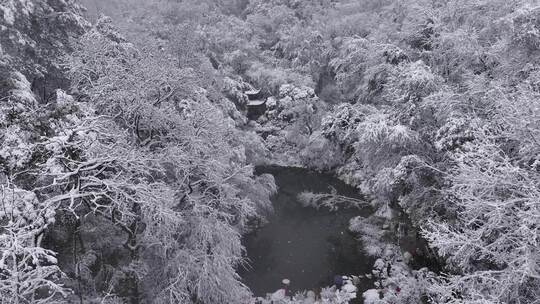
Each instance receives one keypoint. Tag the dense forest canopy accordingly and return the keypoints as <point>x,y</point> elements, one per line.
<point>129,141</point>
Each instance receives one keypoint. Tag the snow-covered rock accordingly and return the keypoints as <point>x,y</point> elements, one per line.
<point>371,296</point>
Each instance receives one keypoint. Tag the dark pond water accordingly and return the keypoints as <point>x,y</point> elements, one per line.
<point>302,244</point>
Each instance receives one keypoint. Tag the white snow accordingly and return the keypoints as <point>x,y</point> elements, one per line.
<point>371,296</point>
<point>23,88</point>
<point>350,288</point>
<point>278,295</point>
<point>9,7</point>
<point>9,16</point>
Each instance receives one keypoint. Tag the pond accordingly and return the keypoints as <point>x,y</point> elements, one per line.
<point>307,246</point>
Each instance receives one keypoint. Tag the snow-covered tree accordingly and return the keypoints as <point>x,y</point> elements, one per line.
<point>493,244</point>
<point>163,164</point>
<point>28,272</point>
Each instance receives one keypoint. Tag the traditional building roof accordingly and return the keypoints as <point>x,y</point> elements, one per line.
<point>253,94</point>
<point>256,102</point>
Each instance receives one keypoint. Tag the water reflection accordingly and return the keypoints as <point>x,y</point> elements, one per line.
<point>307,246</point>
